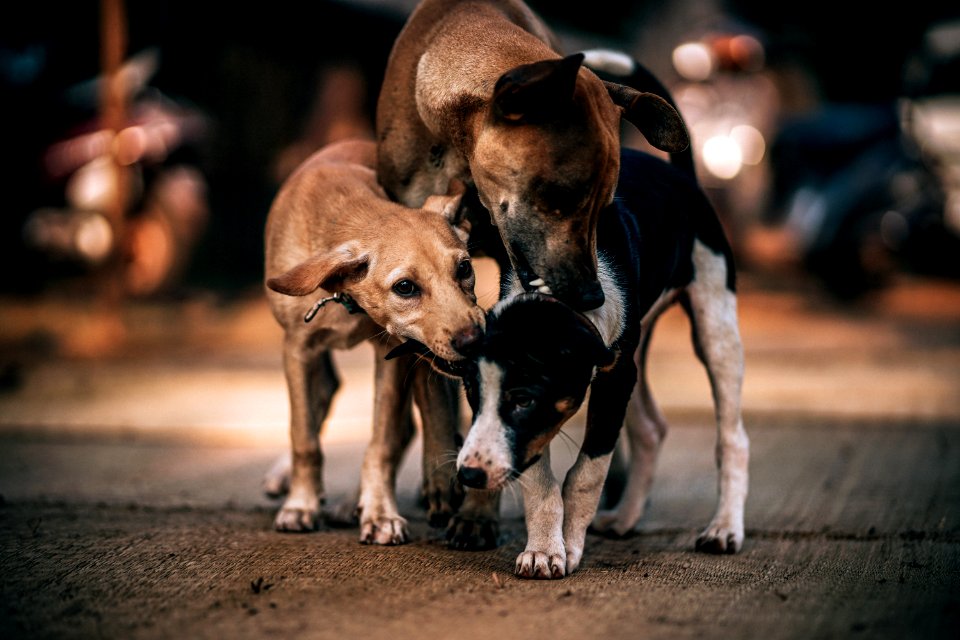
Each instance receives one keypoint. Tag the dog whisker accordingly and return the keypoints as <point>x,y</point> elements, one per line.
<point>572,445</point>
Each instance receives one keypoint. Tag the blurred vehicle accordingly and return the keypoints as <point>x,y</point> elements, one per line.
<point>870,190</point>
<point>147,166</point>
<point>731,105</point>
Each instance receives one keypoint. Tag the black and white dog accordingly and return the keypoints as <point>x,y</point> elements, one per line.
<point>659,243</point>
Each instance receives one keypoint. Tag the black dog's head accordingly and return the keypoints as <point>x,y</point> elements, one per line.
<point>527,377</point>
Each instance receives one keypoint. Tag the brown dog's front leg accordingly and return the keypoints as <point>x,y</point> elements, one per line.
<point>380,520</point>
<point>438,399</point>
<point>477,525</point>
<point>311,384</point>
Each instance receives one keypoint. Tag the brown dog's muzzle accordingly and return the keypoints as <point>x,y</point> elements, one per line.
<point>571,277</point>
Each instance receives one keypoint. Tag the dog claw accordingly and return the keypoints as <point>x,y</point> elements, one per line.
<point>385,531</point>
<point>295,520</point>
<point>540,565</point>
<point>470,534</point>
<point>719,540</point>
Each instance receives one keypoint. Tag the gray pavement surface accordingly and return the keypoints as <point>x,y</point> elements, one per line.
<point>132,449</point>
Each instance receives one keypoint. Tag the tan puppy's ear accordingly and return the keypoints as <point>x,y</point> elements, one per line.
<point>660,123</point>
<point>449,207</point>
<point>324,270</point>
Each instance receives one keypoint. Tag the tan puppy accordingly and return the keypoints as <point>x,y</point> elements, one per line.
<point>331,232</point>
<point>475,90</point>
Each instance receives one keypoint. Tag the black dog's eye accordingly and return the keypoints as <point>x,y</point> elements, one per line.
<point>464,270</point>
<point>521,400</point>
<point>406,288</point>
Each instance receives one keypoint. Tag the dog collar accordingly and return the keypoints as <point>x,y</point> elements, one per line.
<point>348,303</point>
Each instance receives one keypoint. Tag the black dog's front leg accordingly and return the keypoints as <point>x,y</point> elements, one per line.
<point>609,395</point>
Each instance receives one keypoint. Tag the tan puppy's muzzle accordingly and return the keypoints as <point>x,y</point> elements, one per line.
<point>465,341</point>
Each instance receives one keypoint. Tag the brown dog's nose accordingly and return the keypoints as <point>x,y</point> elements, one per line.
<point>463,340</point>
<point>591,297</point>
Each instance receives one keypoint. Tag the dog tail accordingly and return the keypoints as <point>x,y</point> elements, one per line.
<point>619,67</point>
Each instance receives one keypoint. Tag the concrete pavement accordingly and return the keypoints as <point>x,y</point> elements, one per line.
<point>131,505</point>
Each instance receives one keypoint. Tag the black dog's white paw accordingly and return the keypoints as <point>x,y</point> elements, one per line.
<point>541,565</point>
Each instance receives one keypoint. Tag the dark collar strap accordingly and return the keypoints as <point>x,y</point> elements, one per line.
<point>348,303</point>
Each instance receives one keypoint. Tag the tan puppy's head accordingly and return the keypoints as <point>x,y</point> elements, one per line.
<point>410,272</point>
<point>546,162</point>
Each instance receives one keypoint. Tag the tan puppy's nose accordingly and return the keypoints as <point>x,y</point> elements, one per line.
<point>464,341</point>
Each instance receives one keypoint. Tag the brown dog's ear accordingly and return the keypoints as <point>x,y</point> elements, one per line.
<point>536,89</point>
<point>324,270</point>
<point>660,123</point>
<point>449,207</point>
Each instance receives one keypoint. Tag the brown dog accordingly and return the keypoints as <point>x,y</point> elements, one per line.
<point>385,273</point>
<point>475,90</point>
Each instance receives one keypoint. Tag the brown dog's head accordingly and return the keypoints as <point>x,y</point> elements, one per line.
<point>410,272</point>
<point>546,161</point>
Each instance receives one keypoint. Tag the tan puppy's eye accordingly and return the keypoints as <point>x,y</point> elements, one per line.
<point>406,288</point>
<point>464,270</point>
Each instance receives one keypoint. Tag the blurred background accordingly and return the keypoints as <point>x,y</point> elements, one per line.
<point>144,142</point>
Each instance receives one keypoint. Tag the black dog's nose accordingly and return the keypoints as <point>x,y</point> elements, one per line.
<point>465,340</point>
<point>591,297</point>
<point>472,477</point>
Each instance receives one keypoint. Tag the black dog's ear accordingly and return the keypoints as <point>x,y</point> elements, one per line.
<point>572,333</point>
<point>588,340</point>
<point>659,123</point>
<point>532,90</point>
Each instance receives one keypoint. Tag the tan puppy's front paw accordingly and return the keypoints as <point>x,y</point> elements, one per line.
<point>384,530</point>
<point>298,516</point>
<point>541,565</point>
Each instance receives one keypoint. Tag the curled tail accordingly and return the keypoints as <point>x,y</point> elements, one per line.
<point>616,66</point>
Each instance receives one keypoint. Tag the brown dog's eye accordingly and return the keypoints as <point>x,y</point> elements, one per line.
<point>406,288</point>
<point>464,270</point>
